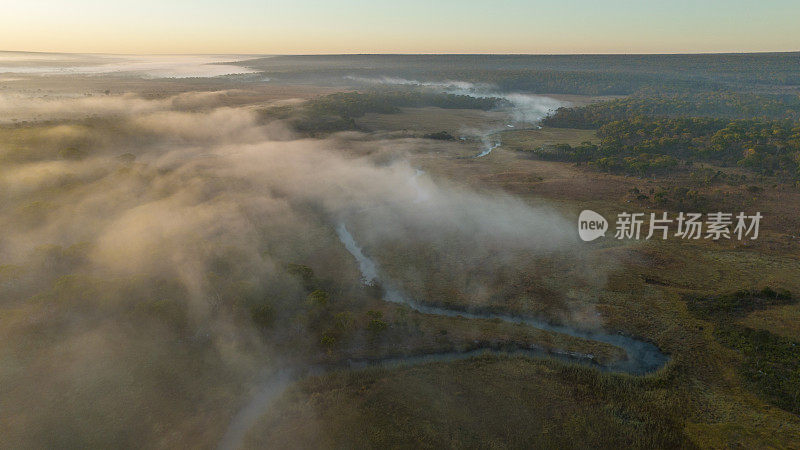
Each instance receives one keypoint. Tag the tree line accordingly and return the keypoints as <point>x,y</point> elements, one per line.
<point>645,146</point>
<point>728,105</point>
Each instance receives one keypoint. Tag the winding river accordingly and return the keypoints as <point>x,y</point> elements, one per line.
<point>488,149</point>
<point>642,357</point>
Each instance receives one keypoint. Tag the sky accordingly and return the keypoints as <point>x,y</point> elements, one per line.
<point>408,26</point>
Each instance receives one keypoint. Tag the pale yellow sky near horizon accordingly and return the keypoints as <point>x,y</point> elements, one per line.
<point>413,26</point>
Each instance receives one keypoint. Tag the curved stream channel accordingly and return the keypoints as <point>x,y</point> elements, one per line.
<point>488,149</point>
<point>642,357</point>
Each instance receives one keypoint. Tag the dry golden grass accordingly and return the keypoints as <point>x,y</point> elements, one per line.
<point>783,320</point>
<point>430,120</point>
<point>700,396</point>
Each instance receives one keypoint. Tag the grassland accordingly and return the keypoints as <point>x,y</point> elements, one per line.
<point>485,402</point>
<point>707,396</point>
<point>420,121</point>
<point>700,399</point>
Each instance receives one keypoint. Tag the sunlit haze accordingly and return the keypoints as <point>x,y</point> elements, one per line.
<point>414,26</point>
<point>415,224</point>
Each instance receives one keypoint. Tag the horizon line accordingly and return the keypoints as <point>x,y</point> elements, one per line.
<point>764,52</point>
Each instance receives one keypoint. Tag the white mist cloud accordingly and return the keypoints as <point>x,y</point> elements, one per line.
<point>144,66</point>
<point>106,243</point>
<point>526,108</point>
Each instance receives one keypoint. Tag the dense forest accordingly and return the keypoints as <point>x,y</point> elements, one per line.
<point>730,105</point>
<point>338,111</point>
<point>645,146</point>
<point>356,104</point>
<point>572,74</point>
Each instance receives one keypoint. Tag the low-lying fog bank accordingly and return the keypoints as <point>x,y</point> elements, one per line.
<point>147,258</point>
